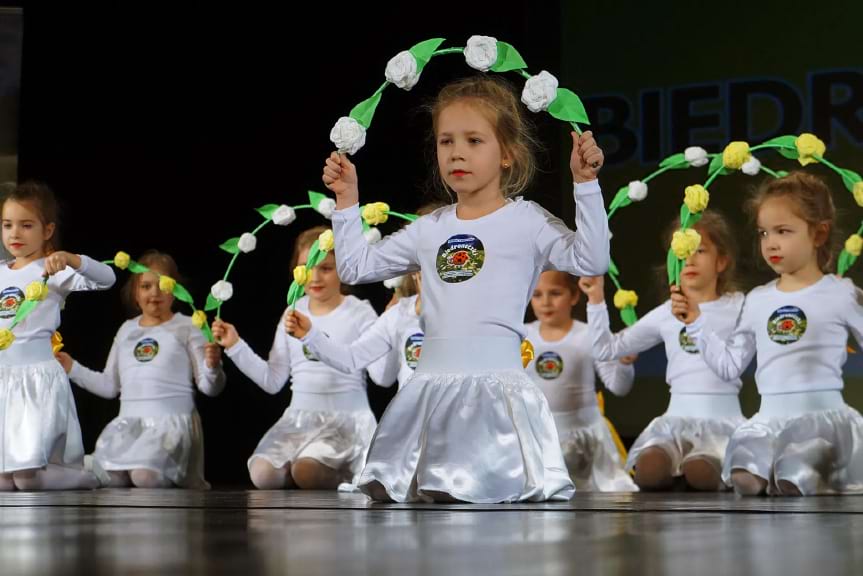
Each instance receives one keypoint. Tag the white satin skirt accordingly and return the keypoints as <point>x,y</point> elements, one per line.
<point>333,429</point>
<point>470,424</point>
<point>812,440</point>
<point>169,444</point>
<point>695,426</point>
<point>38,420</point>
<point>589,451</point>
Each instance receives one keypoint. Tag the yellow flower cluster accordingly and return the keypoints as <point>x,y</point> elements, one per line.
<point>326,241</point>
<point>36,290</point>
<point>854,245</point>
<point>167,284</point>
<point>376,213</point>
<point>684,243</point>
<point>624,298</point>
<point>735,155</point>
<point>199,318</point>
<point>121,260</point>
<point>696,198</point>
<point>808,146</point>
<point>6,338</point>
<point>302,275</point>
<point>526,352</point>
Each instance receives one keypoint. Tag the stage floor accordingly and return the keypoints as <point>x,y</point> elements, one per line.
<point>325,533</point>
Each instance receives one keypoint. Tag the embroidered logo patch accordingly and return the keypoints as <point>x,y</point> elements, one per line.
<point>10,299</point>
<point>686,343</point>
<point>549,365</point>
<point>413,349</point>
<point>786,325</point>
<point>146,350</point>
<point>460,258</point>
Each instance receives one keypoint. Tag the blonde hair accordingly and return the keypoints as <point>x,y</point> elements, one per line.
<point>495,99</point>
<point>811,200</point>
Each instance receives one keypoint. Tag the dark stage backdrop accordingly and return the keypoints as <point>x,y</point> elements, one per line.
<point>165,127</point>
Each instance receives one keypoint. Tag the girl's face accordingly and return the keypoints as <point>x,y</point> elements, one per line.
<point>702,269</point>
<point>24,234</point>
<point>553,298</point>
<point>788,243</point>
<point>150,299</point>
<point>470,157</point>
<point>324,283</point>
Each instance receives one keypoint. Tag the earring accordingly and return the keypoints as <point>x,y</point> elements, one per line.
<point>506,165</point>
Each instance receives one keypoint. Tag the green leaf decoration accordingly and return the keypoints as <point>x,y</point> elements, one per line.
<point>365,110</point>
<point>267,210</point>
<point>212,303</point>
<point>850,178</point>
<point>684,217</point>
<point>695,218</point>
<point>508,59</point>
<point>316,256</point>
<point>208,334</point>
<point>789,153</point>
<point>716,164</point>
<point>781,141</point>
<point>24,310</point>
<point>295,292</point>
<point>136,268</point>
<point>569,107</point>
<point>315,198</point>
<point>612,268</point>
<point>675,161</point>
<point>181,294</point>
<point>781,173</point>
<point>629,316</point>
<point>671,265</point>
<point>620,200</point>
<point>231,246</point>
<point>423,52</point>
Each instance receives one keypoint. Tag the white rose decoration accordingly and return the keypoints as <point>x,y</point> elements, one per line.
<point>372,235</point>
<point>326,207</point>
<point>222,291</point>
<point>481,52</point>
<point>393,283</point>
<point>539,91</point>
<point>696,156</point>
<point>247,242</point>
<point>637,191</point>
<point>751,167</point>
<point>284,215</point>
<point>348,135</point>
<point>402,70</point>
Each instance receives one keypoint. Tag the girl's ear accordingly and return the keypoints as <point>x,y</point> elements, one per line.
<point>822,233</point>
<point>721,264</point>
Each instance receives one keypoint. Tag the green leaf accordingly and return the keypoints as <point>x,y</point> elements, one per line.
<point>365,225</point>
<point>315,198</point>
<point>316,256</point>
<point>365,110</point>
<point>694,218</point>
<point>675,161</point>
<point>612,268</point>
<point>716,164</point>
<point>508,59</point>
<point>782,141</point>
<point>629,316</point>
<point>423,52</point>
<point>789,153</point>
<point>295,292</point>
<point>671,265</point>
<point>569,107</point>
<point>267,210</point>
<point>684,217</point>
<point>181,294</point>
<point>620,200</point>
<point>136,268</point>
<point>850,178</point>
<point>781,173</point>
<point>231,246</point>
<point>212,303</point>
<point>842,263</point>
<point>208,334</point>
<point>24,310</point>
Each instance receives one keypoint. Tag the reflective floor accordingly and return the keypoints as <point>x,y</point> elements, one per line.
<point>239,532</point>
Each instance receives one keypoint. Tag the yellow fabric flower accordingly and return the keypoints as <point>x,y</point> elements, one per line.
<point>526,353</point>
<point>735,155</point>
<point>301,275</point>
<point>56,342</point>
<point>326,241</point>
<point>199,318</point>
<point>624,298</point>
<point>36,290</point>
<point>6,338</point>
<point>166,284</point>
<point>696,198</point>
<point>121,260</point>
<point>684,243</point>
<point>809,145</point>
<point>376,213</point>
<point>854,244</point>
<point>858,193</point>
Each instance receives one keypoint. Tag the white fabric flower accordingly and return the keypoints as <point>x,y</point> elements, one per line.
<point>372,235</point>
<point>751,167</point>
<point>539,91</point>
<point>348,135</point>
<point>402,70</point>
<point>247,242</point>
<point>222,291</point>
<point>481,52</point>
<point>637,191</point>
<point>284,215</point>
<point>696,156</point>
<point>326,207</point>
<point>393,283</point>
